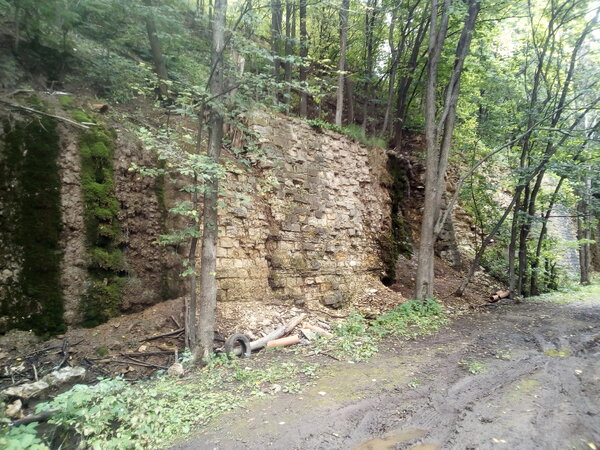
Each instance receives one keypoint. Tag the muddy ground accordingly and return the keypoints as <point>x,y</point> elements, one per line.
<point>535,385</point>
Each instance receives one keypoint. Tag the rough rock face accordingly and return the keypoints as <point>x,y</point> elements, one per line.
<point>73,264</point>
<point>151,267</point>
<point>310,225</point>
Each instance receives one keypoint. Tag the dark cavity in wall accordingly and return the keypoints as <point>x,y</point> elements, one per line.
<point>106,265</point>
<point>398,241</point>
<point>31,225</point>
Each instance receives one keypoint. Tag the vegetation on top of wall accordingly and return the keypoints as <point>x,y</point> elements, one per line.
<point>106,265</point>
<point>30,156</point>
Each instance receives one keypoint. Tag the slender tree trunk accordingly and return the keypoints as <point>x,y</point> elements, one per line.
<point>394,56</point>
<point>339,109</point>
<point>276,35</point>
<point>438,154</point>
<point>287,66</point>
<point>425,273</point>
<point>304,57</point>
<point>208,269</point>
<point>584,232</point>
<point>370,18</point>
<point>350,102</point>
<point>535,264</point>
<point>157,55</point>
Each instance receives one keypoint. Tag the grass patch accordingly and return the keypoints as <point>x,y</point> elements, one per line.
<point>357,339</point>
<point>571,294</point>
<point>352,131</point>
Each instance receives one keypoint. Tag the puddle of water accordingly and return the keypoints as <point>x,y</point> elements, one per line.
<point>391,440</point>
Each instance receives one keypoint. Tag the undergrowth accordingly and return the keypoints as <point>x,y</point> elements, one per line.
<point>352,131</point>
<point>118,414</point>
<point>357,338</point>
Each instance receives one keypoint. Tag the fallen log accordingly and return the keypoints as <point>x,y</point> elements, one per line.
<point>279,332</point>
<point>41,417</point>
<point>41,113</point>
<point>283,342</point>
<point>318,330</point>
<point>498,296</point>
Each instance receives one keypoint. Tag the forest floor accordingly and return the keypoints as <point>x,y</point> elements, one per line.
<point>511,376</point>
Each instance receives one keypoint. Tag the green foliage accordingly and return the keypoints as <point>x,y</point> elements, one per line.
<point>320,125</point>
<point>106,265</point>
<point>66,101</point>
<point>23,437</point>
<point>30,159</point>
<point>354,341</point>
<point>411,319</point>
<point>116,414</point>
<point>358,339</point>
<point>474,367</point>
<point>353,131</point>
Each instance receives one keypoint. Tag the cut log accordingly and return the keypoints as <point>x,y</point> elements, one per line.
<point>279,332</point>
<point>318,330</point>
<point>283,342</point>
<point>100,107</point>
<point>499,295</point>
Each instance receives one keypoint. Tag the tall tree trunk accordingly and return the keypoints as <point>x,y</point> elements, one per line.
<point>370,18</point>
<point>157,55</point>
<point>584,232</point>
<point>276,36</point>
<point>535,264</point>
<point>404,83</point>
<point>425,273</point>
<point>303,56</point>
<point>208,269</point>
<point>287,66</point>
<point>438,153</point>
<point>350,101</point>
<point>339,109</point>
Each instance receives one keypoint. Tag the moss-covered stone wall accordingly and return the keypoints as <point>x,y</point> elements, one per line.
<point>106,264</point>
<point>30,224</point>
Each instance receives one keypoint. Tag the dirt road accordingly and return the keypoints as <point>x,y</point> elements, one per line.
<point>513,377</point>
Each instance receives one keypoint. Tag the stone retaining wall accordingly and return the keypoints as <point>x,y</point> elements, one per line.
<point>306,222</point>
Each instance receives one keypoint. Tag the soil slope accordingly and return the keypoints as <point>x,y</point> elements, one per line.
<point>536,384</point>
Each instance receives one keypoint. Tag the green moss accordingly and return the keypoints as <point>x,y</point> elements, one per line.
<point>397,241</point>
<point>31,187</point>
<point>81,116</point>
<point>66,101</point>
<point>102,351</point>
<point>106,265</point>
